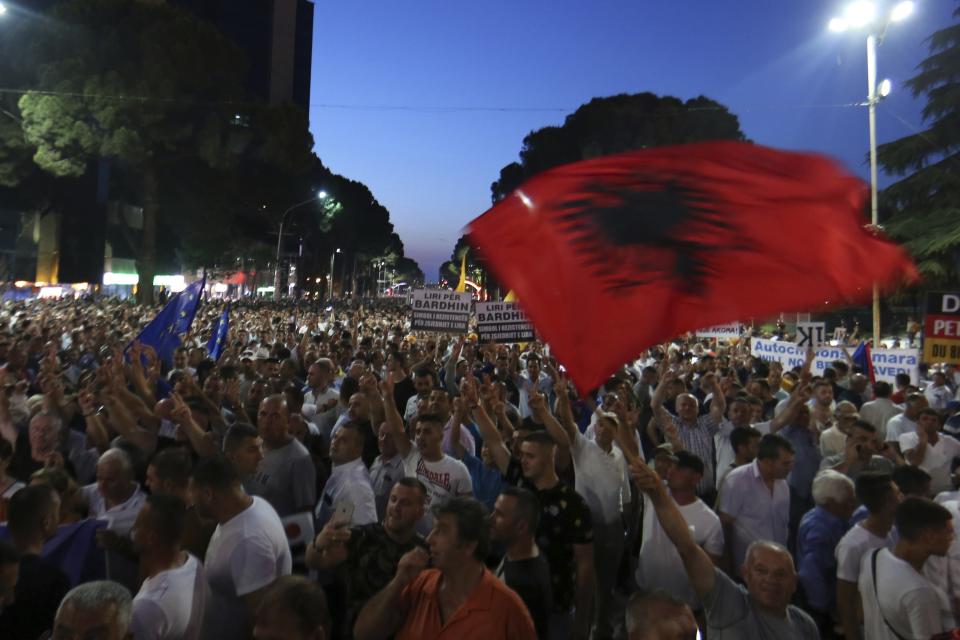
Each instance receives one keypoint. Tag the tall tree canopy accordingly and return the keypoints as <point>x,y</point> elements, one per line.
<point>153,106</point>
<point>923,208</point>
<point>152,91</point>
<point>602,127</point>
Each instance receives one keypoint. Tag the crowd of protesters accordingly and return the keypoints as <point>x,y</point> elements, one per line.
<point>334,474</point>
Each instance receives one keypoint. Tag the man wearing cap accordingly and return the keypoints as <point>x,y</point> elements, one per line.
<point>659,563</point>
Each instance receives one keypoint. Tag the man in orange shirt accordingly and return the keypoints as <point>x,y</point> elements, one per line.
<point>459,599</point>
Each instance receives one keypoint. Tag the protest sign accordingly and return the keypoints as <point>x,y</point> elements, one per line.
<point>729,331</point>
<point>503,322</point>
<point>887,363</point>
<point>445,311</point>
<point>811,334</point>
<point>941,328</point>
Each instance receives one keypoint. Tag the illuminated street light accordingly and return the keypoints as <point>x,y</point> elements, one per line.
<point>860,13</point>
<point>838,25</point>
<point>3,8</point>
<point>902,11</point>
<point>277,293</point>
<point>863,13</point>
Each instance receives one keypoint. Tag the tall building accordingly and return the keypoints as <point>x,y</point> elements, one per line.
<point>91,238</point>
<point>277,38</point>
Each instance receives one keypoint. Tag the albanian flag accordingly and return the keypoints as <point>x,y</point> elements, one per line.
<point>613,255</point>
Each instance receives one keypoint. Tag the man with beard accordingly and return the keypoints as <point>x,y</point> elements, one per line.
<point>371,552</point>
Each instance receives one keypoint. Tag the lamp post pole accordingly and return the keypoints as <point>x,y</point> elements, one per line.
<point>332,257</point>
<point>859,14</point>
<point>283,220</point>
<point>872,99</point>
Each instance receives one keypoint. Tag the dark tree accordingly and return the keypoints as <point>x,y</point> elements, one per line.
<point>922,209</point>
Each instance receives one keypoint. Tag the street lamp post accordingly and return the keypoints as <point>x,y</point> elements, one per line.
<point>863,13</point>
<point>332,257</point>
<point>283,219</point>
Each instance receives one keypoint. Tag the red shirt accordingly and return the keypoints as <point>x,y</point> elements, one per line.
<point>493,611</point>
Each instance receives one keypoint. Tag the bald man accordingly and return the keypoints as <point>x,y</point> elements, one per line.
<point>657,615</point>
<point>115,496</point>
<point>285,477</point>
<point>762,610</point>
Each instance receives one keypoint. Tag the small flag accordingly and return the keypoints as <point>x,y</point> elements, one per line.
<point>863,359</point>
<point>218,340</point>
<point>462,285</point>
<point>166,332</point>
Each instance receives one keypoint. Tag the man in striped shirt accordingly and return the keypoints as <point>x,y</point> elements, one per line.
<point>691,431</point>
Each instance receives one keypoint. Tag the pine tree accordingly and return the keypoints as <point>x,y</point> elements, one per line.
<point>923,208</point>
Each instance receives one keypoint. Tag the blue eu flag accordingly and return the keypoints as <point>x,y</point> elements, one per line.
<point>218,340</point>
<point>166,332</point>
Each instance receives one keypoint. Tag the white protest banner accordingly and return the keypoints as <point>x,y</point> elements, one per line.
<point>729,331</point>
<point>503,322</point>
<point>811,334</point>
<point>446,311</point>
<point>887,363</point>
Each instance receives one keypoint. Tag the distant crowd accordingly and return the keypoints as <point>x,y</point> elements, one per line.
<point>334,474</point>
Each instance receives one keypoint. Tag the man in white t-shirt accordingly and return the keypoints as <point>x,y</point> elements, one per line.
<point>738,415</point>
<point>444,477</point>
<point>320,392</point>
<point>603,480</point>
<point>880,495</point>
<point>937,393</point>
<point>879,410</point>
<point>247,553</point>
<point>170,603</point>
<point>898,601</point>
<point>660,566</point>
<point>932,451</point>
<point>906,422</point>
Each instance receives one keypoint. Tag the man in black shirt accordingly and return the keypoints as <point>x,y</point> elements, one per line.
<point>371,552</point>
<point>564,535</point>
<point>513,523</point>
<point>33,518</point>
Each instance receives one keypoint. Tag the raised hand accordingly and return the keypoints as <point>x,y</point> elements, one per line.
<point>646,478</point>
<point>410,566</point>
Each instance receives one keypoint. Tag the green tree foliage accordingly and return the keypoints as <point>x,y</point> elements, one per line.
<point>618,123</point>
<point>151,91</point>
<point>602,127</point>
<point>923,208</point>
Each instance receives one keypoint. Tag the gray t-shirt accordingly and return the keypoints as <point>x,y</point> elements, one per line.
<point>732,616</point>
<point>286,478</point>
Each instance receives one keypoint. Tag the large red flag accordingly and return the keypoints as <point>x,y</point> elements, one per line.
<point>613,255</point>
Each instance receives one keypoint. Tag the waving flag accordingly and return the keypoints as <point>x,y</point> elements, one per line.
<point>166,332</point>
<point>613,255</point>
<point>218,340</point>
<point>863,359</point>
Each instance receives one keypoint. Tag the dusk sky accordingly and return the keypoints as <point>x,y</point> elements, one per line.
<point>424,101</point>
